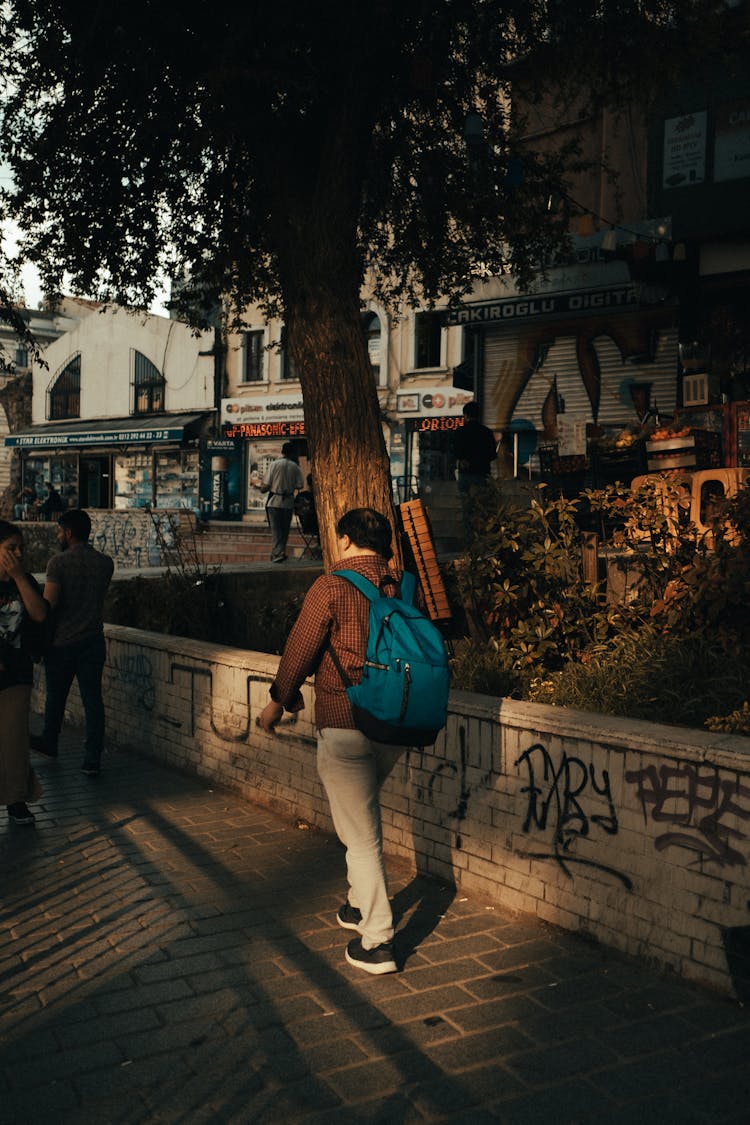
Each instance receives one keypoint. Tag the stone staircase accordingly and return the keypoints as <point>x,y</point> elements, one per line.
<point>236,543</point>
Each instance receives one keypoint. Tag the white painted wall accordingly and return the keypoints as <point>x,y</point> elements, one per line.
<point>105,341</point>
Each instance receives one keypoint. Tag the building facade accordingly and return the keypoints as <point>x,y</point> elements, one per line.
<point>118,413</point>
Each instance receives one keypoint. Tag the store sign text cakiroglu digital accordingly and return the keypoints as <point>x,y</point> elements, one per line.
<point>559,304</point>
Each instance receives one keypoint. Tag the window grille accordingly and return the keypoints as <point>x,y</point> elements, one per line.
<point>64,391</point>
<point>148,386</point>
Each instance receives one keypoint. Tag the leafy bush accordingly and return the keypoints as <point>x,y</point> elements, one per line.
<point>653,676</point>
<point>674,648</point>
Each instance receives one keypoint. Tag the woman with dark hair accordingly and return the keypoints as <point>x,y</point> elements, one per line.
<point>21,605</point>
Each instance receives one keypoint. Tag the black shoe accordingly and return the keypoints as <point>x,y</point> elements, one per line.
<point>21,813</point>
<point>280,560</point>
<point>349,917</point>
<point>91,769</point>
<point>378,960</point>
<point>40,746</point>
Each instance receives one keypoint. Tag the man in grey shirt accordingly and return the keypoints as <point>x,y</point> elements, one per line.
<point>283,479</point>
<point>76,585</point>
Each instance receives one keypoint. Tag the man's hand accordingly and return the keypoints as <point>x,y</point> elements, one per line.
<point>270,715</point>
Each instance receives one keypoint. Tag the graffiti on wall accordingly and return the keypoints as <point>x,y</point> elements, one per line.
<point>460,773</point>
<point>135,670</point>
<point>563,799</point>
<point>696,807</point>
<point>195,673</point>
<point>133,538</point>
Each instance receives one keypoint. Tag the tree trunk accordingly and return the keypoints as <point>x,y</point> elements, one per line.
<point>350,464</point>
<point>321,278</point>
<point>15,400</point>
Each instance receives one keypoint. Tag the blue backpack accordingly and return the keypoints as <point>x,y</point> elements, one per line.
<point>402,698</point>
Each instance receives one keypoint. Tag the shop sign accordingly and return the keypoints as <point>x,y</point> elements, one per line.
<point>442,425</point>
<point>90,437</point>
<point>280,408</point>
<point>552,304</point>
<point>685,150</point>
<point>255,430</point>
<point>732,141</point>
<point>431,402</point>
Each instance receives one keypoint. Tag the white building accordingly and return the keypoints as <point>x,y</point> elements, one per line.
<point>118,412</point>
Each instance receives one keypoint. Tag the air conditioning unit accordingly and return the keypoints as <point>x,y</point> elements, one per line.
<point>694,389</point>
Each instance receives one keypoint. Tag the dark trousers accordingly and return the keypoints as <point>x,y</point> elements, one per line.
<point>83,661</point>
<point>280,521</point>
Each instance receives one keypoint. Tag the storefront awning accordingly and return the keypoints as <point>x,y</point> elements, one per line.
<point>156,429</point>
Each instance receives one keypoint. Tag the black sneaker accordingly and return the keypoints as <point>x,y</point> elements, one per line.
<point>39,746</point>
<point>378,960</point>
<point>91,769</point>
<point>21,813</point>
<point>349,917</point>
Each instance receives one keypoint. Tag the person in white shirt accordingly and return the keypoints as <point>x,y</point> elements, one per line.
<point>283,479</point>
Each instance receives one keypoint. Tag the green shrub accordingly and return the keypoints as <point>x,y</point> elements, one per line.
<point>653,676</point>
<point>484,668</point>
<point>676,650</point>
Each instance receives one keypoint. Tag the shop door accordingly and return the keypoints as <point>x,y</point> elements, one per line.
<point>95,482</point>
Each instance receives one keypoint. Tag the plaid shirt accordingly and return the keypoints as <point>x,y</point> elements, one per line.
<point>335,611</point>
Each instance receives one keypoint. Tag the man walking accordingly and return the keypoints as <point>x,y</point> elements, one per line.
<point>335,615</point>
<point>76,585</point>
<point>283,479</point>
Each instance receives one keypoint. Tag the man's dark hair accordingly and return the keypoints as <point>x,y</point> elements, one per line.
<point>367,528</point>
<point>289,450</point>
<point>77,523</point>
<point>471,410</point>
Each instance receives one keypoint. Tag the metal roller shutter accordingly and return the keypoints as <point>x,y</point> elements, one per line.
<point>503,366</point>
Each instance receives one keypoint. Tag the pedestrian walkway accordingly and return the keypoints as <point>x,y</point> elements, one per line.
<point>169,953</point>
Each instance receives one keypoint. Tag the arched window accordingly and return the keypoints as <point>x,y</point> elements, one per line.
<point>371,325</point>
<point>148,386</point>
<point>64,391</point>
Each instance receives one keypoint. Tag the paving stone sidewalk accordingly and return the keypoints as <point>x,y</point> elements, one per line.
<point>169,953</point>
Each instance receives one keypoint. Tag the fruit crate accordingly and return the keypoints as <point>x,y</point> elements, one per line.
<point>699,450</point>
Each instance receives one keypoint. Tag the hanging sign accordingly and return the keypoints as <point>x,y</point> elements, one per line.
<point>685,150</point>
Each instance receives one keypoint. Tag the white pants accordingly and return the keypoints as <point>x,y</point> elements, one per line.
<point>348,768</point>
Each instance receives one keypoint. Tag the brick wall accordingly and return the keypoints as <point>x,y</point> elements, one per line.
<point>635,833</point>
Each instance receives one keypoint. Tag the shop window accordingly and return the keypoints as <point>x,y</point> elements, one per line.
<point>133,474</point>
<point>287,363</point>
<point>428,339</point>
<point>176,478</point>
<point>22,356</point>
<point>253,355</point>
<point>64,391</point>
<point>60,469</point>
<point>148,385</point>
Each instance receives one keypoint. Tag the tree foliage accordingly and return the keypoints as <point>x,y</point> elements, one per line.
<point>144,138</point>
<point>275,152</point>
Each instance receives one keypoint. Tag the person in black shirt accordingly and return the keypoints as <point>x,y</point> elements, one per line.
<point>53,502</point>
<point>21,606</point>
<point>475,448</point>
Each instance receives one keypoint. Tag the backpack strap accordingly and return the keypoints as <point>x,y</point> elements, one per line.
<point>408,587</point>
